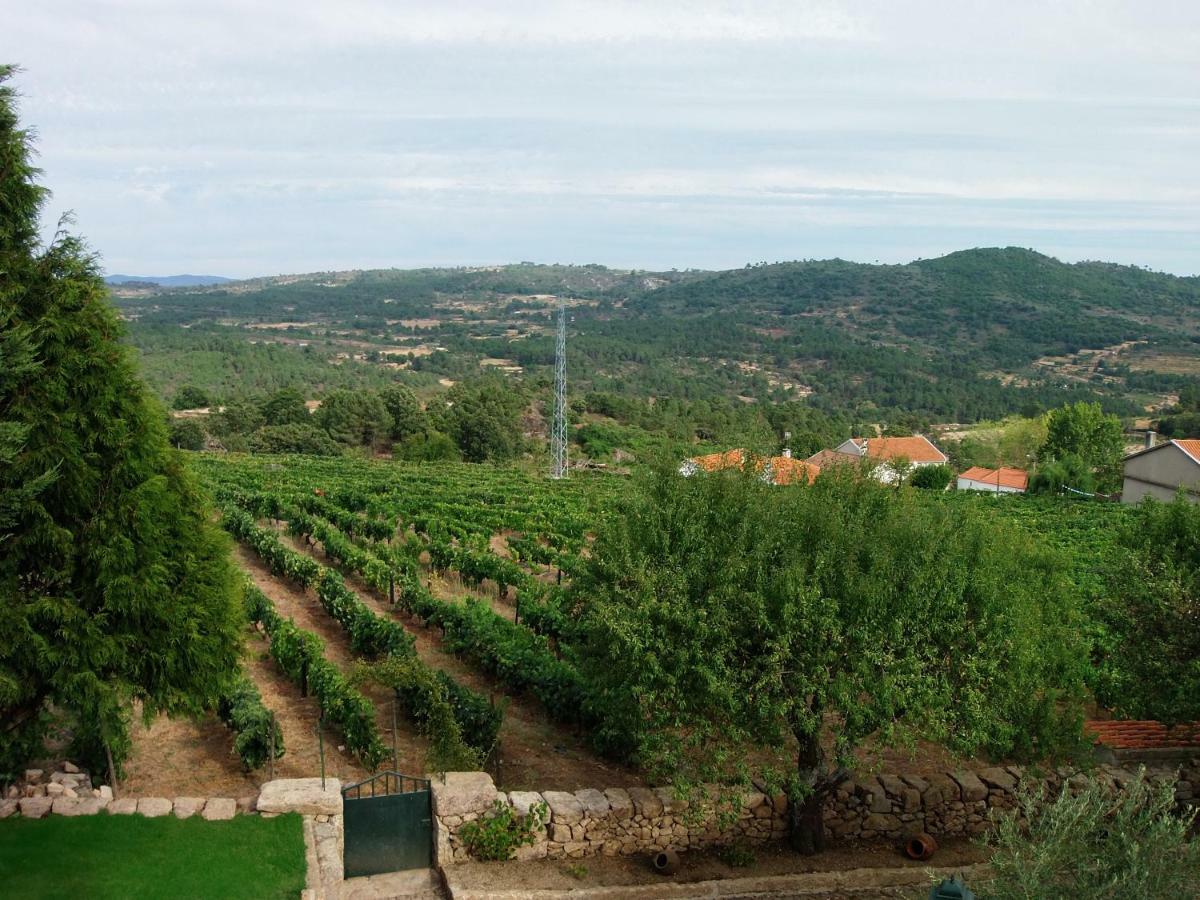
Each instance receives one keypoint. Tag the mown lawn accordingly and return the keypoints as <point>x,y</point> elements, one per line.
<point>126,857</point>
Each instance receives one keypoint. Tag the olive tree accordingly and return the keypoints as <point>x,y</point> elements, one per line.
<point>721,614</point>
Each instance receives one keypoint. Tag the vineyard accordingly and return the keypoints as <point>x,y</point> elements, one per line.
<point>440,588</point>
<point>443,588</point>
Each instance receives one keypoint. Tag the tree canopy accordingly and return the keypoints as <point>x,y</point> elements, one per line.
<point>720,612</point>
<point>114,584</point>
<point>1085,431</point>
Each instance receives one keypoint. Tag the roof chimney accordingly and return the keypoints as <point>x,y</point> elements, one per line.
<point>787,439</point>
<point>1150,438</point>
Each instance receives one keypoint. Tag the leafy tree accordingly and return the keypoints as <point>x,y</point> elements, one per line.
<point>931,478</point>
<point>1180,425</point>
<point>1056,476</point>
<point>721,613</point>
<point>1096,845</point>
<point>427,446</point>
<point>1150,656</point>
<point>187,434</point>
<point>484,419</point>
<point>293,438</point>
<point>114,584</point>
<point>356,418</point>
<point>285,407</point>
<point>190,397</point>
<point>402,405</point>
<point>1085,431</point>
<point>239,417</point>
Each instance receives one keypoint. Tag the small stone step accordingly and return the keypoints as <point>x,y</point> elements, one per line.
<point>413,884</point>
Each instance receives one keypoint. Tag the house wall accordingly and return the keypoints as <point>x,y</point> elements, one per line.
<point>1160,474</point>
<point>969,484</point>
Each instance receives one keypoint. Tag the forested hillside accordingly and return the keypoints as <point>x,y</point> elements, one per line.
<point>971,335</point>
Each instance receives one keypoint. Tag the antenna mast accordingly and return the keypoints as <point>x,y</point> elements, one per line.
<point>558,436</point>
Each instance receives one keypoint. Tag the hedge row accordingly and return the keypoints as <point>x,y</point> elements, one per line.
<point>301,656</point>
<point>242,710</point>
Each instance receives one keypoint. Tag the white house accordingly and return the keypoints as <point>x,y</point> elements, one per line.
<point>1162,470</point>
<point>917,451</point>
<point>1004,480</point>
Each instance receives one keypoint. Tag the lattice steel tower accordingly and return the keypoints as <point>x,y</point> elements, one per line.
<point>558,436</point>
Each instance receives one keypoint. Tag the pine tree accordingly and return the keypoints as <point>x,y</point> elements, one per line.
<point>115,586</point>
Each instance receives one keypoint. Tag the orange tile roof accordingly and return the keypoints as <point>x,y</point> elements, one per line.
<point>714,462</point>
<point>787,470</point>
<point>784,469</point>
<point>915,449</point>
<point>1005,476</point>
<point>1190,446</point>
<point>1143,735</point>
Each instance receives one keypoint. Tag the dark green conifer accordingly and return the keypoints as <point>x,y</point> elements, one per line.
<point>115,586</point>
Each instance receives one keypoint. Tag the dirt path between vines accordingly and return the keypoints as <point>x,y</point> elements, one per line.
<point>307,613</point>
<point>537,753</point>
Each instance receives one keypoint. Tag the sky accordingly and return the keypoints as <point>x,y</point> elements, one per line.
<point>246,138</point>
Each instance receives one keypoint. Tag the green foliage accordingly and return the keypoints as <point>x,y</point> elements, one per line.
<point>408,419</point>
<point>931,478</point>
<point>1096,845</point>
<point>483,419</point>
<point>721,612</point>
<point>1150,658</point>
<point>427,446</point>
<point>241,708</point>
<point>114,584</point>
<point>187,434</point>
<point>190,397</point>
<point>1070,473</point>
<point>356,418</point>
<point>598,440</point>
<point>737,855</point>
<point>294,438</point>
<point>426,696</point>
<point>239,416</point>
<point>301,656</point>
<point>1083,430</point>
<point>498,833</point>
<point>285,407</point>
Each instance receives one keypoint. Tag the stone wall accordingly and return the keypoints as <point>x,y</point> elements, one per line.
<point>620,822</point>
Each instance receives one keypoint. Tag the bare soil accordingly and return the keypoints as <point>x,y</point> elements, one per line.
<point>706,865</point>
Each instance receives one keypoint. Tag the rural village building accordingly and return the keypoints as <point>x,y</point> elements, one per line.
<point>1161,470</point>
<point>782,469</point>
<point>1004,480</point>
<point>917,450</point>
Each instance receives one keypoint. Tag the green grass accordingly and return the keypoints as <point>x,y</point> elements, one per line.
<point>123,857</point>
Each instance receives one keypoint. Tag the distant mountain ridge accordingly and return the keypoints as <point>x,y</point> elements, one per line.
<point>169,280</point>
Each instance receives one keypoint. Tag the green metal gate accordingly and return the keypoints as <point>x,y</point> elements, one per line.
<point>388,824</point>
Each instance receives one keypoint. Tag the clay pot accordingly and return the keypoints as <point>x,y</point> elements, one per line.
<point>666,862</point>
<point>920,846</point>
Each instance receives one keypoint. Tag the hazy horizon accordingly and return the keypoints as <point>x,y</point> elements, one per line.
<point>309,136</point>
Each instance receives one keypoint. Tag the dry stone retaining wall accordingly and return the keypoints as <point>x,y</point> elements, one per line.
<point>620,822</point>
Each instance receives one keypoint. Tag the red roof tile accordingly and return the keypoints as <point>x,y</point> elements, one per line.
<point>916,449</point>
<point>1003,477</point>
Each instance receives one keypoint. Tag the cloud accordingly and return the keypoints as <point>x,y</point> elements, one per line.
<point>270,135</point>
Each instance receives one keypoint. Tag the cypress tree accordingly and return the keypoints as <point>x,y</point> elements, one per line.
<point>115,586</point>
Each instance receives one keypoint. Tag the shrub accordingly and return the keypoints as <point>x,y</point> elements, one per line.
<point>498,834</point>
<point>1097,845</point>
<point>931,478</point>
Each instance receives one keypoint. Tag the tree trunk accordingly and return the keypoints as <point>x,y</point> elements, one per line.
<point>806,823</point>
